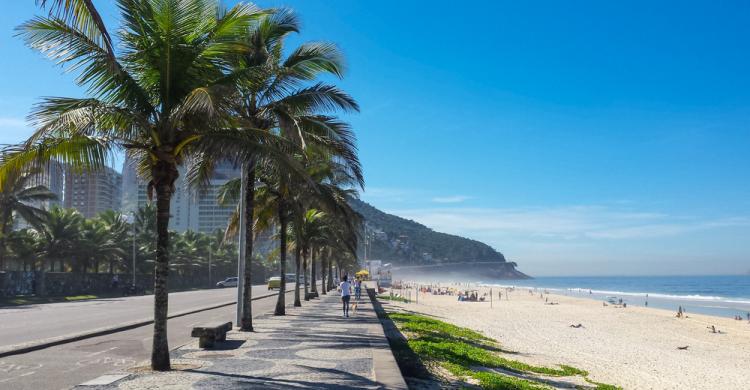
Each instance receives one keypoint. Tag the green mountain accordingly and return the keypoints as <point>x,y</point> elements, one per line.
<point>406,242</point>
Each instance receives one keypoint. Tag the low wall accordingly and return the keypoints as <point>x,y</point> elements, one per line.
<point>15,283</point>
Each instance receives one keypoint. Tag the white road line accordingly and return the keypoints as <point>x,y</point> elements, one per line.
<point>27,374</point>
<point>100,352</point>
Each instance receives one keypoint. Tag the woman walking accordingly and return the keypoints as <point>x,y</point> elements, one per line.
<point>346,293</point>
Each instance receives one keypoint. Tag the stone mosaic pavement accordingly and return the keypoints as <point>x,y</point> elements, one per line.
<point>312,347</point>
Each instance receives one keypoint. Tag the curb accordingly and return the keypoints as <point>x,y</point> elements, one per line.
<point>385,365</point>
<point>51,342</point>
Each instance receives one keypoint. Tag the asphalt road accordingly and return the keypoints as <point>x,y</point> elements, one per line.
<point>67,365</point>
<point>21,324</point>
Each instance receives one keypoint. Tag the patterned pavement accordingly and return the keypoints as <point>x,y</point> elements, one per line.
<point>312,347</point>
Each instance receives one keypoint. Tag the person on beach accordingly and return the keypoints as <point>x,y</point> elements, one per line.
<point>346,293</point>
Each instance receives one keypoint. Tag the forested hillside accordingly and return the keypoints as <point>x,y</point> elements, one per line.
<point>407,242</point>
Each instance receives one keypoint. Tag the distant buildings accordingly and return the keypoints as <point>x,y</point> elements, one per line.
<point>93,192</point>
<point>191,209</point>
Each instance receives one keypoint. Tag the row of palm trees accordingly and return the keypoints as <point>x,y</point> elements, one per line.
<point>63,240</point>
<point>192,83</point>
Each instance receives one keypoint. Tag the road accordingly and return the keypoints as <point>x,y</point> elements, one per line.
<point>21,324</point>
<point>67,365</point>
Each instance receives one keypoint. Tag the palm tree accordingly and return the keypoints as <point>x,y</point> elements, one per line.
<point>160,98</point>
<point>119,230</point>
<point>18,196</point>
<point>97,244</point>
<point>305,230</point>
<point>61,237</point>
<point>23,247</point>
<point>271,99</point>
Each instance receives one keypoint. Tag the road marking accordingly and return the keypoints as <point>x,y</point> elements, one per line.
<point>104,380</point>
<point>27,374</point>
<point>100,352</point>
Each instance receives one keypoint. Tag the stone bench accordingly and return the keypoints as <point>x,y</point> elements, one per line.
<point>208,334</point>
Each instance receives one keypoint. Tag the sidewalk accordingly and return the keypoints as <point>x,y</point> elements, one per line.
<point>312,347</point>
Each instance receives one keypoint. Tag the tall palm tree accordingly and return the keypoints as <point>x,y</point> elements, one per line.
<point>275,99</point>
<point>272,98</point>
<point>305,230</point>
<point>19,197</point>
<point>160,98</point>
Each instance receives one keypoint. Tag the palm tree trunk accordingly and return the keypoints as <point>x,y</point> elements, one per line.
<point>247,295</point>
<point>3,235</point>
<point>323,276</point>
<point>164,175</point>
<point>305,256</point>
<point>313,273</point>
<point>330,274</point>
<point>297,254</point>
<point>281,302</point>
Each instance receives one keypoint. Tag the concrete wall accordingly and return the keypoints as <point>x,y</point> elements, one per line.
<point>14,283</point>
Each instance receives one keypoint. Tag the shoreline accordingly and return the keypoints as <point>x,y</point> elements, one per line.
<point>715,306</point>
<point>633,347</point>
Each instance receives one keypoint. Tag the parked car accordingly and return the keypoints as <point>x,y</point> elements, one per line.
<point>274,282</point>
<point>228,282</point>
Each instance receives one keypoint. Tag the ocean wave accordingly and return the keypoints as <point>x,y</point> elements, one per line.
<point>676,297</point>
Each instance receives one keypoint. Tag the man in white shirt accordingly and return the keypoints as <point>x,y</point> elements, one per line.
<point>346,293</point>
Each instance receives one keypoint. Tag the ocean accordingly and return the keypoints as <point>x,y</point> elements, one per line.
<point>724,296</point>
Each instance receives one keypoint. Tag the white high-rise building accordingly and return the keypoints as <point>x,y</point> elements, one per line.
<point>191,209</point>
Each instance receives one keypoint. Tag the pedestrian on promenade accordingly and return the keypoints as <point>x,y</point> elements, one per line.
<point>346,293</point>
<point>357,289</point>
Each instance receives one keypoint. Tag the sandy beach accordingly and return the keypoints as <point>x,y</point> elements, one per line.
<point>633,347</point>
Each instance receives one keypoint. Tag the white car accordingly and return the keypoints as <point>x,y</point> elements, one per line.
<point>228,282</point>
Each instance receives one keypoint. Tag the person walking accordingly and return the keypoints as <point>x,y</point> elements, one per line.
<point>346,293</point>
<point>357,289</point>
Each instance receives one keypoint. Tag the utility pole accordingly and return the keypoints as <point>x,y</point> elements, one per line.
<point>209,266</point>
<point>241,258</point>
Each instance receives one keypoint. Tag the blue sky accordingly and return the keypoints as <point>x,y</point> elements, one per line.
<point>578,138</point>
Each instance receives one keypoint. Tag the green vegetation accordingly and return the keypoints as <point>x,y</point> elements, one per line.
<point>469,354</point>
<point>405,241</point>
<point>65,241</point>
<point>189,85</point>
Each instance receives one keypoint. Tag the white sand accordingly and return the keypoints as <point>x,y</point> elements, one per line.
<point>634,347</point>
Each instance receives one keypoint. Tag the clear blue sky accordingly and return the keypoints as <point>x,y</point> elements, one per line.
<point>578,138</point>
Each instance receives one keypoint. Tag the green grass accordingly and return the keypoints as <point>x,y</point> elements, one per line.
<point>494,381</point>
<point>462,351</point>
<point>603,386</point>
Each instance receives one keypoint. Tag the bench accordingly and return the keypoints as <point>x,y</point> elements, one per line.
<point>208,334</point>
